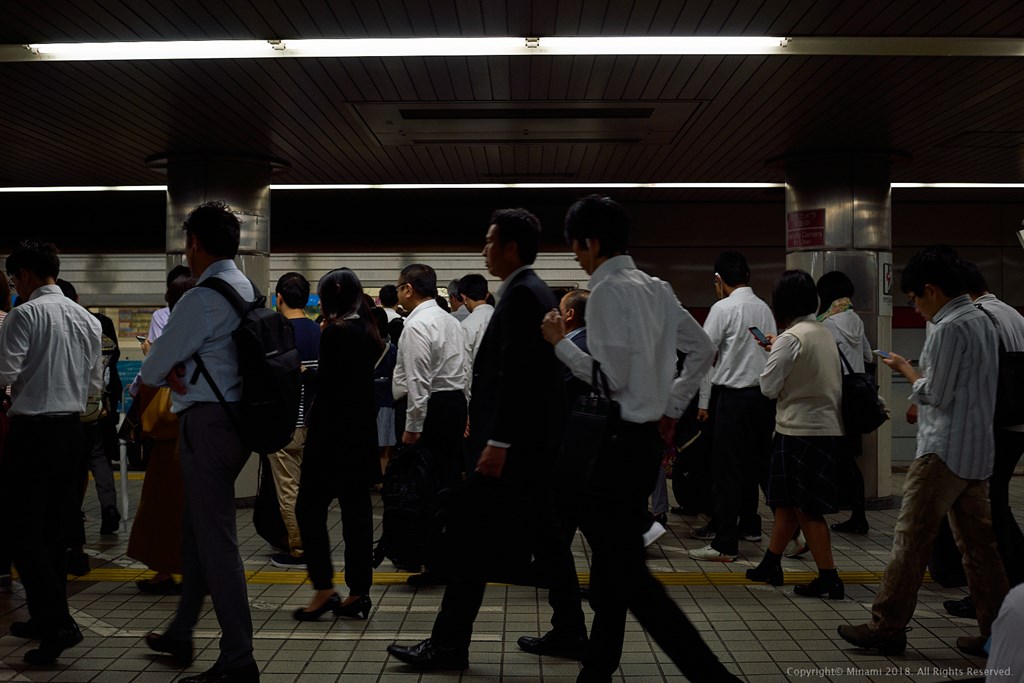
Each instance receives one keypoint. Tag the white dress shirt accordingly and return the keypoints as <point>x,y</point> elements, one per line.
<point>431,358</point>
<point>473,328</point>
<point>635,324</point>
<point>50,355</point>
<point>956,395</point>
<point>157,323</point>
<point>740,358</point>
<point>202,322</point>
<point>391,314</point>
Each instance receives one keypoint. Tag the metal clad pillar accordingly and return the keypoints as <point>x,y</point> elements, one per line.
<point>838,217</point>
<point>242,182</point>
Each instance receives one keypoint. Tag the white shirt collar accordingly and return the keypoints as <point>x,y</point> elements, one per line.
<point>612,265</point>
<point>427,304</point>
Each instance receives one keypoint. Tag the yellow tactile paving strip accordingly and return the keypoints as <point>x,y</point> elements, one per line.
<point>296,578</point>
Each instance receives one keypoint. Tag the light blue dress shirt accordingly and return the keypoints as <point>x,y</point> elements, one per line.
<point>202,321</point>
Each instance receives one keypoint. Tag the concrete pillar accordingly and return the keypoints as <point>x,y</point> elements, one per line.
<point>838,218</point>
<point>242,182</point>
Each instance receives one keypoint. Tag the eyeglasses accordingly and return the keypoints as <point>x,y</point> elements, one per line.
<point>403,284</point>
<point>10,283</point>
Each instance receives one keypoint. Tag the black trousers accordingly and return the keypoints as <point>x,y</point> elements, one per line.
<point>40,494</point>
<point>318,487</point>
<point>619,578</point>
<point>462,597</point>
<point>442,431</point>
<point>1009,447</point>
<point>741,453</point>
<point>851,480</point>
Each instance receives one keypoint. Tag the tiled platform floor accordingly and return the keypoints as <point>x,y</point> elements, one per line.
<point>763,634</point>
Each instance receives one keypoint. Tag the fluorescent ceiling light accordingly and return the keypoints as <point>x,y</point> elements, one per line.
<point>518,45</point>
<point>508,186</point>
<point>88,188</point>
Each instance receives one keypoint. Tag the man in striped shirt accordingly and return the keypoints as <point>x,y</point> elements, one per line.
<point>955,391</point>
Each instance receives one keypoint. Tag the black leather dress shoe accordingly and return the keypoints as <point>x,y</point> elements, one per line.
<point>429,657</point>
<point>50,648</point>
<point>552,644</point>
<point>250,673</point>
<point>958,608</point>
<point>179,650</point>
<point>26,629</point>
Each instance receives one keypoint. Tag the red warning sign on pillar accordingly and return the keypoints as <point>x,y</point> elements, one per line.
<point>805,228</point>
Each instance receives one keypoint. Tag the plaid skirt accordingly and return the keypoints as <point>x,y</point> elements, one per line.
<point>803,474</point>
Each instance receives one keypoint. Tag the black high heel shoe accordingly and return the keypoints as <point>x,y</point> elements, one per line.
<point>332,604</point>
<point>357,609</point>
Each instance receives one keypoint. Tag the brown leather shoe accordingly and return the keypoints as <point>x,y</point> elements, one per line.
<point>972,645</point>
<point>887,641</point>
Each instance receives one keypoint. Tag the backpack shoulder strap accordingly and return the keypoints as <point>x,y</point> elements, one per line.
<point>226,290</point>
<point>842,357</point>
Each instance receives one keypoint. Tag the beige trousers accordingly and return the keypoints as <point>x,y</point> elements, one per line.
<point>931,492</point>
<point>286,466</point>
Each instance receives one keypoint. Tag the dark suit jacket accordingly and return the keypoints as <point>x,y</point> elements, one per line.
<point>574,386</point>
<point>518,390</point>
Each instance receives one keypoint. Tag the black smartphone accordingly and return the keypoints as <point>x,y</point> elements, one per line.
<point>141,339</point>
<point>759,336</point>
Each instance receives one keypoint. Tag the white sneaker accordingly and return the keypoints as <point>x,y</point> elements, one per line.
<point>709,554</point>
<point>654,533</point>
<point>796,546</point>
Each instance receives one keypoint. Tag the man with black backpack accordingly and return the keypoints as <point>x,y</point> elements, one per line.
<point>202,325</point>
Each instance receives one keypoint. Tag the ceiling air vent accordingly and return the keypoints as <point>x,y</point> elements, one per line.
<point>518,123</point>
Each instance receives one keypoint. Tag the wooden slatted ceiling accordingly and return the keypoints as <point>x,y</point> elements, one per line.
<point>95,20</point>
<point>95,123</point>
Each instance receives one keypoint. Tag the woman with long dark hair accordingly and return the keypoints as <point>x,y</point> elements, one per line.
<point>340,458</point>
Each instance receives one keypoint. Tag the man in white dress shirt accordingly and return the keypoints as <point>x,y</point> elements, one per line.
<point>955,391</point>
<point>743,418</point>
<point>50,356</point>
<point>635,327</point>
<point>473,293</point>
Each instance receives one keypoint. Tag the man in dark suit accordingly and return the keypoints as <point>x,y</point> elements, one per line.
<point>516,415</point>
<point>573,308</point>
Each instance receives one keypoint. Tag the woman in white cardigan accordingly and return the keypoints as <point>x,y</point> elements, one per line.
<point>803,373</point>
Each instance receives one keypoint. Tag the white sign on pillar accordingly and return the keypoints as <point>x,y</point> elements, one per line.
<point>886,283</point>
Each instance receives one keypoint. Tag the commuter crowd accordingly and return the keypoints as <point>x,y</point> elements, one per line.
<point>516,418</point>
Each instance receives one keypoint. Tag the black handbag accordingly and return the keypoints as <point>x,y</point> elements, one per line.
<point>863,411</point>
<point>593,420</point>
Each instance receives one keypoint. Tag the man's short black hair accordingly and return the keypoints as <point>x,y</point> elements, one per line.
<point>576,300</point>
<point>974,281</point>
<point>422,278</point>
<point>38,257</point>
<point>732,267</point>
<point>519,226</point>
<point>176,272</point>
<point>473,287</point>
<point>388,296</point>
<point>293,289</point>
<point>217,228</point>
<point>938,266</point>
<point>601,218</point>
<point>793,296</point>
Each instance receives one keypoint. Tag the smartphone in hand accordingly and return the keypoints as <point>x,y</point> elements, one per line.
<point>759,336</point>
<point>882,354</point>
<point>141,339</point>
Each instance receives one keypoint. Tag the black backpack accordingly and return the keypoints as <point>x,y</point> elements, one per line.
<point>410,486</point>
<point>1010,383</point>
<point>862,411</point>
<point>269,365</point>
